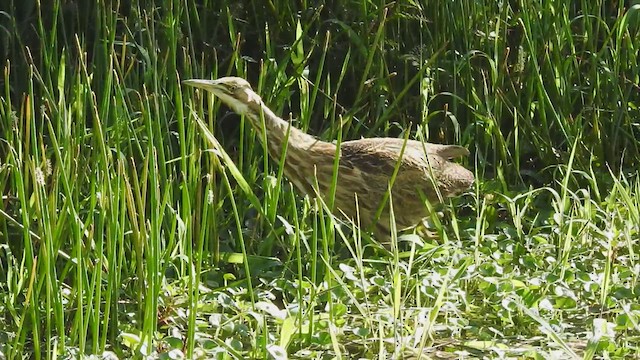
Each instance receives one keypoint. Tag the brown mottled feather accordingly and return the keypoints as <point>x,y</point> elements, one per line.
<point>365,166</point>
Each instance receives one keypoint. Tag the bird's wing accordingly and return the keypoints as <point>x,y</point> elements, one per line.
<point>379,157</point>
<point>374,156</point>
<point>388,149</point>
<point>375,161</point>
<point>394,146</point>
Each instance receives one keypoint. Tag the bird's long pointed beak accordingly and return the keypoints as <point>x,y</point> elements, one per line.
<point>210,85</point>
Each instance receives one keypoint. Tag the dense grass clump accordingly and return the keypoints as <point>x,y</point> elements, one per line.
<point>128,230</point>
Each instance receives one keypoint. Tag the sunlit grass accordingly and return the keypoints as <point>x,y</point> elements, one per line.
<point>139,218</point>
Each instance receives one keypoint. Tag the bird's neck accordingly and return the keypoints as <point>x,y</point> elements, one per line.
<point>277,129</point>
<point>304,153</point>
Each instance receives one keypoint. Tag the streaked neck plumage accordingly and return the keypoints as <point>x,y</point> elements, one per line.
<point>276,129</point>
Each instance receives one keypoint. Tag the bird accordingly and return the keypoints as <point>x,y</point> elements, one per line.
<point>365,166</point>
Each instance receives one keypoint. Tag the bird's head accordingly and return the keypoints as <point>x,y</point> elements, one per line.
<point>235,92</point>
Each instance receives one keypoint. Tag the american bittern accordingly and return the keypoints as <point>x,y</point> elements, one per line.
<point>365,166</point>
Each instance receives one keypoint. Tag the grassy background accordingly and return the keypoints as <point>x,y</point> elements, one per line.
<point>122,233</point>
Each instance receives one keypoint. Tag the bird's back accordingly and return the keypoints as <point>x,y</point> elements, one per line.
<point>426,163</point>
<point>365,170</point>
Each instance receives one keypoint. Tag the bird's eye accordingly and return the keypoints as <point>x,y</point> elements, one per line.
<point>233,88</point>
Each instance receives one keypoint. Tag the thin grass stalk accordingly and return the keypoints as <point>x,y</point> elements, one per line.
<point>20,179</point>
<point>385,199</point>
<point>199,251</point>
<point>565,244</point>
<point>106,208</point>
<point>49,279</point>
<point>31,152</point>
<point>303,312</point>
<point>115,259</point>
<point>313,268</point>
<point>319,73</point>
<point>75,231</point>
<point>240,240</point>
<point>152,252</point>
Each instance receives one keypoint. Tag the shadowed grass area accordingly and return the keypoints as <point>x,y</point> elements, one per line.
<point>140,218</point>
